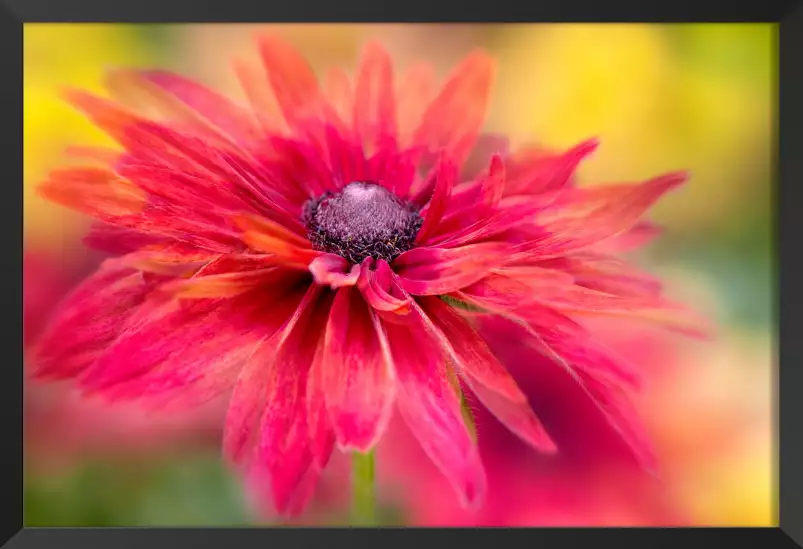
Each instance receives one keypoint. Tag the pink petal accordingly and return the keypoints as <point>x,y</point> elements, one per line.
<point>596,214</point>
<point>187,352</point>
<point>623,416</point>
<point>640,235</point>
<point>466,348</point>
<point>483,373</point>
<point>607,274</point>
<point>374,99</point>
<point>117,240</point>
<point>454,118</point>
<point>249,397</point>
<point>333,271</point>
<point>578,417</point>
<point>535,171</point>
<point>493,183</point>
<point>432,271</point>
<point>321,432</point>
<point>346,158</point>
<point>381,288</point>
<point>89,320</point>
<point>487,145</point>
<point>431,408</point>
<point>445,176</point>
<point>564,339</point>
<point>283,451</point>
<point>490,225</point>
<point>358,378</point>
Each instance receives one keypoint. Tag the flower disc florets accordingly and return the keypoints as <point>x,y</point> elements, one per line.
<point>362,220</point>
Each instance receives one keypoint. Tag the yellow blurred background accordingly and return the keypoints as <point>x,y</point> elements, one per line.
<point>660,97</point>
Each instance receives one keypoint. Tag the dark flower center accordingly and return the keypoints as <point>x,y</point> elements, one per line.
<point>362,220</point>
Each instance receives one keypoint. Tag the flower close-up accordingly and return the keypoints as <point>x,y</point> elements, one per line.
<point>332,252</point>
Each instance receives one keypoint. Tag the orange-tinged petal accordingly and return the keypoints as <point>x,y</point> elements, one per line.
<point>286,247</point>
<point>416,90</point>
<point>94,191</point>
<point>294,83</point>
<point>374,99</point>
<point>455,117</point>
<point>260,96</point>
<point>108,116</point>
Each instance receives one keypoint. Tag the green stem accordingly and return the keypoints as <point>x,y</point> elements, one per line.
<point>363,498</point>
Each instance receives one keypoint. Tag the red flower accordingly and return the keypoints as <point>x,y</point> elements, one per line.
<point>323,255</point>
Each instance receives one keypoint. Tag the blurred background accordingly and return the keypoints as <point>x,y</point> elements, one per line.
<point>660,97</point>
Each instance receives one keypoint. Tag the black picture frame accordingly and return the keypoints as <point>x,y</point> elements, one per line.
<point>15,13</point>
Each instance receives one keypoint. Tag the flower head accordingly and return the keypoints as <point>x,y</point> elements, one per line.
<point>327,255</point>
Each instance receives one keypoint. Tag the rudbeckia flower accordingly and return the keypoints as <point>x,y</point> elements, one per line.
<point>325,254</point>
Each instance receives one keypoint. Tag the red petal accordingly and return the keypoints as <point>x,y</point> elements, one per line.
<point>379,286</point>
<point>416,90</point>
<point>358,379</point>
<point>489,226</point>
<point>432,271</point>
<point>487,145</point>
<point>294,83</point>
<point>445,178</point>
<point>454,118</point>
<point>185,353</point>
<point>578,414</point>
<point>640,235</point>
<point>374,99</point>
<point>118,240</point>
<point>483,373</point>
<point>493,184</point>
<point>589,216</point>
<point>563,338</point>
<point>322,435</point>
<point>432,410</point>
<point>89,320</point>
<point>535,171</point>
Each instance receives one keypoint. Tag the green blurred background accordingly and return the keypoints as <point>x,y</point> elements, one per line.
<point>660,97</point>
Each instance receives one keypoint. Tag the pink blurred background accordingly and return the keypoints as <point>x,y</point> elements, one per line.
<point>660,97</point>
